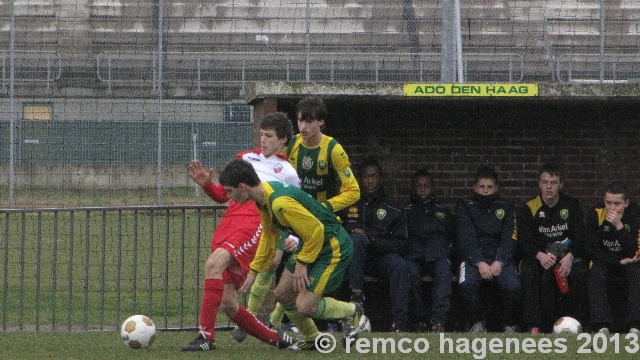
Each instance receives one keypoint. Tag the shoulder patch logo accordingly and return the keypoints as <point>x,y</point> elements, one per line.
<point>307,162</point>
<point>322,164</point>
<point>347,173</point>
<point>564,214</point>
<point>381,213</point>
<point>440,215</point>
<point>500,213</point>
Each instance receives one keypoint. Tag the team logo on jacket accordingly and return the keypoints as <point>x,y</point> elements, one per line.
<point>347,173</point>
<point>381,213</point>
<point>353,212</point>
<point>322,164</point>
<point>277,168</point>
<point>564,214</point>
<point>307,162</point>
<point>500,213</point>
<point>440,215</point>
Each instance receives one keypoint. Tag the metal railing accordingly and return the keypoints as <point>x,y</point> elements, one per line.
<point>594,68</point>
<point>32,66</point>
<point>68,269</point>
<point>241,68</point>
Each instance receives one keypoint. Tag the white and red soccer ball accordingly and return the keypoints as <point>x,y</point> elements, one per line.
<point>567,325</point>
<point>138,332</point>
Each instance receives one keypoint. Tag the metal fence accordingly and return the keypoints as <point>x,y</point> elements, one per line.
<point>68,269</point>
<point>125,143</point>
<point>239,69</point>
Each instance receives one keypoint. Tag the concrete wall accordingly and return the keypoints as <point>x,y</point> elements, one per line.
<point>95,177</point>
<point>92,109</point>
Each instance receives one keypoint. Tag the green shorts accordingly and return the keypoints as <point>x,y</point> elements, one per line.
<point>327,272</point>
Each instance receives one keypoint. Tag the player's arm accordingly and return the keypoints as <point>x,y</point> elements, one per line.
<point>311,231</point>
<point>467,236</point>
<point>508,237</point>
<point>203,177</point>
<point>266,251</point>
<point>349,188</point>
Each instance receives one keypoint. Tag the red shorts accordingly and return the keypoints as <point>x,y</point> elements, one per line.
<point>239,233</point>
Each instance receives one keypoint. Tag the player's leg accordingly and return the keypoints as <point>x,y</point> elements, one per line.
<point>511,291</point>
<point>216,263</point>
<point>440,293</point>
<point>326,275</point>
<point>632,274</point>
<point>245,319</point>
<point>286,295</point>
<point>262,285</point>
<point>469,282</point>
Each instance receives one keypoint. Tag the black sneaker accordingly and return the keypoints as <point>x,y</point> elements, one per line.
<point>238,334</point>
<point>199,344</point>
<point>303,345</point>
<point>284,340</point>
<point>437,328</point>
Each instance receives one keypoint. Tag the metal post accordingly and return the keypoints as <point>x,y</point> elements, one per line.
<point>458,40</point>
<point>194,138</point>
<point>448,52</point>
<point>12,121</point>
<point>159,156</point>
<point>307,75</point>
<point>601,41</point>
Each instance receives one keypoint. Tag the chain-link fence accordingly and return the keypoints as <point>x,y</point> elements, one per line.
<point>92,87</point>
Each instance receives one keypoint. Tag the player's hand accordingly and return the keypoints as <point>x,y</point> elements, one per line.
<point>248,283</point>
<point>546,260</point>
<point>496,268</point>
<point>361,232</point>
<point>291,243</point>
<point>300,279</point>
<point>615,219</point>
<point>485,270</point>
<point>198,174</point>
<point>565,264</point>
<point>626,261</point>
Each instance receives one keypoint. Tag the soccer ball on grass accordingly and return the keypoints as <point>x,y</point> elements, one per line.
<point>138,332</point>
<point>567,325</point>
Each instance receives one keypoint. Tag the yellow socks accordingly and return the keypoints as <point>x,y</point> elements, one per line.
<point>330,308</point>
<point>259,291</point>
<point>276,315</point>
<point>305,325</point>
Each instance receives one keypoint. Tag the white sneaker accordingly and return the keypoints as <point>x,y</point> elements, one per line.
<point>356,323</point>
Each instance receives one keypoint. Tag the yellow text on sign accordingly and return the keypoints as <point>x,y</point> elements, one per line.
<point>471,90</point>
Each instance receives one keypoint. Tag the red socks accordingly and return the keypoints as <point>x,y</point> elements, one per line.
<point>247,322</point>
<point>211,300</point>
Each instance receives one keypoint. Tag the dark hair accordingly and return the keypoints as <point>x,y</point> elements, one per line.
<point>553,170</point>
<point>486,172</point>
<point>369,162</point>
<point>418,174</point>
<point>616,188</point>
<point>279,122</point>
<point>239,171</point>
<point>311,108</point>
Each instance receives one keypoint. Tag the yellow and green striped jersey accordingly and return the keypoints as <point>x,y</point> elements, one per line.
<point>321,168</point>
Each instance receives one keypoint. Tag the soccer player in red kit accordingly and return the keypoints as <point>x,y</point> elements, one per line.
<point>236,237</point>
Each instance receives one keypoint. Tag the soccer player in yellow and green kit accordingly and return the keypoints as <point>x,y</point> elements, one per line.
<point>325,173</point>
<point>317,268</point>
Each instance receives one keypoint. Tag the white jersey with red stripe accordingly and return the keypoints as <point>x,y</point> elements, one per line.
<point>273,168</point>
